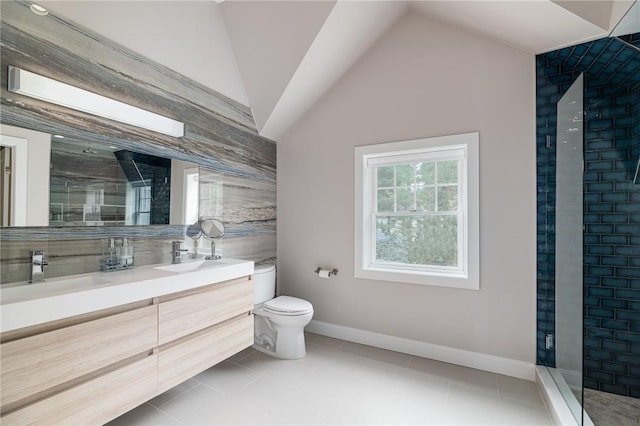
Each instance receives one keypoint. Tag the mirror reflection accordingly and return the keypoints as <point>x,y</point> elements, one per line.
<point>90,184</point>
<point>105,185</point>
<point>212,228</point>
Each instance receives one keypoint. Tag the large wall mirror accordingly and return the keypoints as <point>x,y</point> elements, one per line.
<point>108,170</point>
<point>53,180</point>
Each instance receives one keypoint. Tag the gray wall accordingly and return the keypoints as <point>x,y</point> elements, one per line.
<point>220,136</point>
<point>422,79</point>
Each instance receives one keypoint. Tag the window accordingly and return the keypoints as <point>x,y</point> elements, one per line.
<point>191,193</point>
<point>138,203</point>
<point>416,211</point>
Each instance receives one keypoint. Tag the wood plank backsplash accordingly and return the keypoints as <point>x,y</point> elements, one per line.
<point>220,136</point>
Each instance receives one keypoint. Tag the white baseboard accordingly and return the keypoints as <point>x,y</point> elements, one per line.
<point>492,363</point>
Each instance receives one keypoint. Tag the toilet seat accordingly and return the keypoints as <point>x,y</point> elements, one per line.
<point>289,306</point>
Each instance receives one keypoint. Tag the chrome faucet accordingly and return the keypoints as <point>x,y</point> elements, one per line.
<point>38,262</point>
<point>176,251</point>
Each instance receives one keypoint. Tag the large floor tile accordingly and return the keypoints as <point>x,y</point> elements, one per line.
<point>228,378</point>
<point>382,355</point>
<point>202,405</point>
<point>458,376</point>
<point>342,383</point>
<point>297,372</point>
<point>471,407</point>
<point>608,409</point>
<point>521,390</point>
<point>317,339</point>
<point>144,415</point>
<point>288,404</point>
<point>242,354</point>
<point>172,393</point>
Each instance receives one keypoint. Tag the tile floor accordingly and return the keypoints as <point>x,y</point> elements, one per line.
<point>343,383</point>
<point>608,409</point>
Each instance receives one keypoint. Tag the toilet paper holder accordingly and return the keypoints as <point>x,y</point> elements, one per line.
<point>332,272</point>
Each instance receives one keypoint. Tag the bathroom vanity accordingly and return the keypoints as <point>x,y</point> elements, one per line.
<point>88,348</point>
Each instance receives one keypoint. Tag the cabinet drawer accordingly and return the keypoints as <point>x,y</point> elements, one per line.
<point>96,401</point>
<point>196,311</point>
<point>34,364</point>
<point>187,357</point>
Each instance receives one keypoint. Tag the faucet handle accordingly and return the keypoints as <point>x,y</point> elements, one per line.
<point>38,261</point>
<point>38,258</point>
<point>176,251</point>
<point>177,246</point>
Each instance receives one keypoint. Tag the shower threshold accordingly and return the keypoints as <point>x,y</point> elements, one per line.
<point>560,400</point>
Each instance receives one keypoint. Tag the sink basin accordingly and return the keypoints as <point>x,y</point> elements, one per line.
<point>48,286</point>
<point>192,265</point>
<point>182,267</point>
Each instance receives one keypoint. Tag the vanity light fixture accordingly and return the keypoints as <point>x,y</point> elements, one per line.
<point>38,10</point>
<point>46,89</point>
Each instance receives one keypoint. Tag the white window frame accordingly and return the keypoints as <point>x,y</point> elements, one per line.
<point>466,148</point>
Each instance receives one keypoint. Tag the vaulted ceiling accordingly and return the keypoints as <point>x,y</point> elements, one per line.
<point>288,54</point>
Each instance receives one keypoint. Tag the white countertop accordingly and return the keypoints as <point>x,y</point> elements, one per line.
<point>23,304</point>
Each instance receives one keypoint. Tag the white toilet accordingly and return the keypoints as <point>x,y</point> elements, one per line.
<point>279,321</point>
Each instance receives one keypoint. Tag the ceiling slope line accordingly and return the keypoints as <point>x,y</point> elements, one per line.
<point>269,40</point>
<point>534,26</point>
<point>348,33</point>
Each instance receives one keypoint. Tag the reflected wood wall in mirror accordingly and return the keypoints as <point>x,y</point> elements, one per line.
<point>105,185</point>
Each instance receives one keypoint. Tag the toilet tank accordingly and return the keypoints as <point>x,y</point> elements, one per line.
<point>264,283</point>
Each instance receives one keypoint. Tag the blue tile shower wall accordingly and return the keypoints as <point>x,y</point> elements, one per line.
<point>636,131</point>
<point>612,240</point>
<point>612,208</point>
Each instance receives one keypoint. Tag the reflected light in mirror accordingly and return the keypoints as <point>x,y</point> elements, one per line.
<point>49,90</point>
<point>191,194</point>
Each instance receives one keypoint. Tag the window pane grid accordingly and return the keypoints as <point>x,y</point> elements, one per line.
<point>394,196</point>
<point>417,214</point>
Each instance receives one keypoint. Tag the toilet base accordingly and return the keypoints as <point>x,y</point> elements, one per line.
<point>296,351</point>
<point>282,337</point>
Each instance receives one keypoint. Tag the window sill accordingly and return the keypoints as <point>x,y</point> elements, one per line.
<point>413,277</point>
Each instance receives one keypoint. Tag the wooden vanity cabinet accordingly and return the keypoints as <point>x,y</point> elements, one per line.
<point>199,329</point>
<point>93,368</point>
<point>183,359</point>
<point>43,363</point>
<point>188,312</point>
<point>94,401</point>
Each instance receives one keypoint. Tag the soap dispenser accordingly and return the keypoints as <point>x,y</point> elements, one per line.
<point>126,254</point>
<point>110,257</point>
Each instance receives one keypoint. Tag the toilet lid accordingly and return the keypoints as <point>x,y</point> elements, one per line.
<point>287,305</point>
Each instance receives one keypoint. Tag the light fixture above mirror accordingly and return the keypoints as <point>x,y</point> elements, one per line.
<point>46,89</point>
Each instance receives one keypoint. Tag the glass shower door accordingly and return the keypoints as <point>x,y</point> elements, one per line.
<point>569,248</point>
